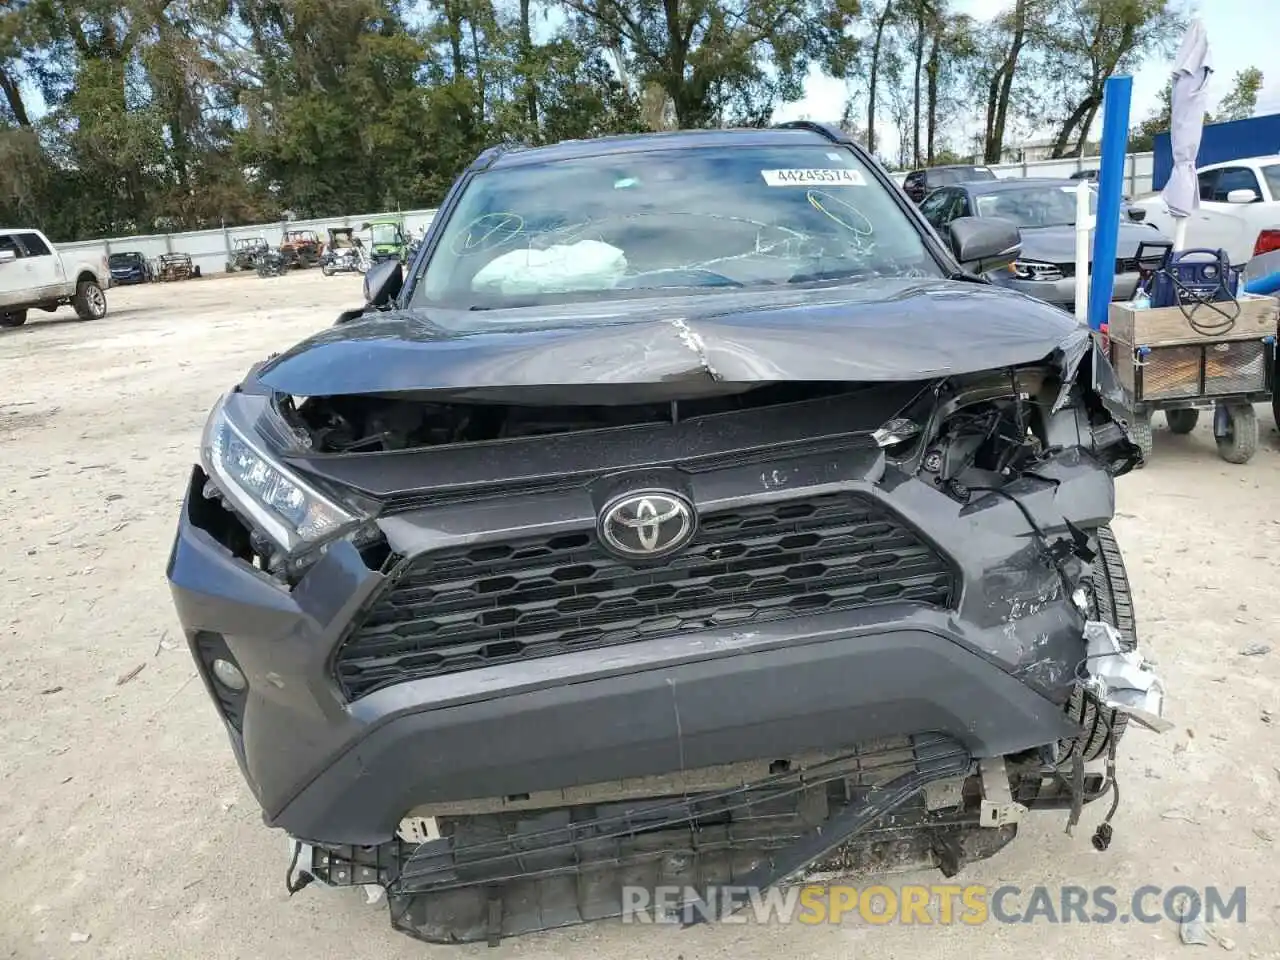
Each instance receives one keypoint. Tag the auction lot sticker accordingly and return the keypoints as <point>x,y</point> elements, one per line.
<point>837,177</point>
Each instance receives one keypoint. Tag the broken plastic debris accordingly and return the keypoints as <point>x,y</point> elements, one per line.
<point>1122,679</point>
<point>80,937</point>
<point>1193,933</point>
<point>895,431</point>
<point>1255,650</point>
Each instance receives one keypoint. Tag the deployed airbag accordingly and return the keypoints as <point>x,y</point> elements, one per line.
<point>585,265</point>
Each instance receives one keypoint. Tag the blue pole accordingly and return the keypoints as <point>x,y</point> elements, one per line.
<point>1115,140</point>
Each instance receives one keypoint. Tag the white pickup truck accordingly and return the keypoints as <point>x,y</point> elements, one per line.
<point>34,275</point>
<point>1239,212</point>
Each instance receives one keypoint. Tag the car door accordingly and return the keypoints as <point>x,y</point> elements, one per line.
<point>935,207</point>
<point>954,204</point>
<point>15,285</point>
<point>45,266</point>
<point>1218,225</point>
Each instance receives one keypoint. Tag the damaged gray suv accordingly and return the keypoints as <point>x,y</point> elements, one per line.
<point>687,513</point>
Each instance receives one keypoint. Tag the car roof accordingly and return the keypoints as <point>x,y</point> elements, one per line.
<point>1262,161</point>
<point>643,142</point>
<point>1013,183</point>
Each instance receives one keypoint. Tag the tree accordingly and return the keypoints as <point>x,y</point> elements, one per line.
<point>1242,101</point>
<point>881,19</point>
<point>1142,138</point>
<point>1002,48</point>
<point>720,61</point>
<point>1092,40</point>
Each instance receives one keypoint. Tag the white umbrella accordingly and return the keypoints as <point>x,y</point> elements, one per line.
<point>1186,123</point>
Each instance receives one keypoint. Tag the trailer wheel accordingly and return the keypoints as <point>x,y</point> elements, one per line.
<point>1241,440</point>
<point>1141,430</point>
<point>1182,421</point>
<point>14,318</point>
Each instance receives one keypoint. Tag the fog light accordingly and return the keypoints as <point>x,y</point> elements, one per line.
<point>229,675</point>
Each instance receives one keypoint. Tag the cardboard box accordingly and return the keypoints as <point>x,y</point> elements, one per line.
<point>1169,326</point>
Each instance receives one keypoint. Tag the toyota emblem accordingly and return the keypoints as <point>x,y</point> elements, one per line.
<point>647,525</point>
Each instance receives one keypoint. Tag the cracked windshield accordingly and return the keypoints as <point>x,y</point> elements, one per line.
<point>691,220</point>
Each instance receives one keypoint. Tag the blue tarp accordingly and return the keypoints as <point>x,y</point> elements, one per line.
<point>1233,140</point>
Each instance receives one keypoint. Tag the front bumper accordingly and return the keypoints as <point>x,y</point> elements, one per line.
<point>992,672</point>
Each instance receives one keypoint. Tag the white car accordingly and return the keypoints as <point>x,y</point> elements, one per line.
<point>34,275</point>
<point>1239,212</point>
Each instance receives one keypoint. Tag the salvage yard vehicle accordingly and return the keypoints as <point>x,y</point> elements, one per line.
<point>346,253</point>
<point>688,509</point>
<point>245,252</point>
<point>387,240</point>
<point>177,266</point>
<point>270,263</point>
<point>130,267</point>
<point>301,248</point>
<point>1045,211</point>
<point>1239,209</point>
<point>920,183</point>
<point>34,275</point>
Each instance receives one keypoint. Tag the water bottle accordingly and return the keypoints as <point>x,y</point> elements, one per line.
<point>1141,300</point>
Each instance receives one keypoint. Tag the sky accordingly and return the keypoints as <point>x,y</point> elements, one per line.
<point>1235,42</point>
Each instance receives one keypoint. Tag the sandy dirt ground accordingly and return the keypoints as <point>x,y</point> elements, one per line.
<point>123,817</point>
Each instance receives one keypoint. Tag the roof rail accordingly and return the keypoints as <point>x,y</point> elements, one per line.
<point>831,133</point>
<point>490,154</point>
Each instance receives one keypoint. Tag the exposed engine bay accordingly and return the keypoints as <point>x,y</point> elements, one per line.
<point>975,430</point>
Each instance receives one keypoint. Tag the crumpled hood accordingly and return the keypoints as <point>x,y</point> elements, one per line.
<point>873,331</point>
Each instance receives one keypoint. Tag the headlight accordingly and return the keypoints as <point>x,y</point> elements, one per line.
<point>289,510</point>
<point>1035,270</point>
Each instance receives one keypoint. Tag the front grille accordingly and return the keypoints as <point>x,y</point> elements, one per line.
<point>477,606</point>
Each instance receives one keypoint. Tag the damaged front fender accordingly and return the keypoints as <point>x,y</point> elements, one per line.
<point>1087,372</point>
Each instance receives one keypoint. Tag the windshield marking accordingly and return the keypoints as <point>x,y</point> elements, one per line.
<point>841,176</point>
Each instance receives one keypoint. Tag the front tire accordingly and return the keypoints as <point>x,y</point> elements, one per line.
<point>90,302</point>
<point>1114,605</point>
<point>1141,430</point>
<point>13,318</point>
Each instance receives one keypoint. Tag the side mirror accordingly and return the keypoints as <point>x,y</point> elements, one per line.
<point>1137,214</point>
<point>7,256</point>
<point>983,244</point>
<point>383,282</point>
<point>1244,195</point>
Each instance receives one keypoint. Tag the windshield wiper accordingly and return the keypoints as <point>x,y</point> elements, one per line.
<point>847,273</point>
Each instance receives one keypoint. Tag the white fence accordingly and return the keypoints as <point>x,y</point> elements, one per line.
<point>211,249</point>
<point>1138,169</point>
